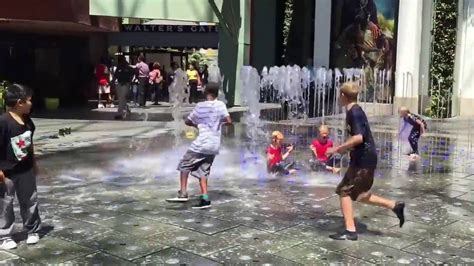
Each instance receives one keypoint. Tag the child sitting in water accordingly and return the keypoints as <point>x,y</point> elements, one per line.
<point>319,147</point>
<point>418,129</point>
<point>276,159</point>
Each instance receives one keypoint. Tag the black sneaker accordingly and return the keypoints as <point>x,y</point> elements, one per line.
<point>346,235</point>
<point>399,210</point>
<point>203,204</point>
<point>182,197</point>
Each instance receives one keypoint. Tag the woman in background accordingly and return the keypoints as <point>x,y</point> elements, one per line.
<point>193,83</point>
<point>156,80</point>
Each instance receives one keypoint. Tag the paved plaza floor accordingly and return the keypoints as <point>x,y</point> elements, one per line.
<point>102,196</point>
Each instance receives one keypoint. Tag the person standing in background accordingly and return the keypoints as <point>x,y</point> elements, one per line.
<point>204,75</point>
<point>172,72</point>
<point>156,80</point>
<point>133,94</point>
<point>164,85</point>
<point>193,83</point>
<point>102,75</point>
<point>170,77</point>
<point>143,80</point>
<point>113,84</point>
<point>123,77</point>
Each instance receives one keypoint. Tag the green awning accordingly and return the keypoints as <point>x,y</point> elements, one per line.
<point>185,10</point>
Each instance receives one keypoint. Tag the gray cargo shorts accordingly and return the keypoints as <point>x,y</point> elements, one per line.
<point>197,164</point>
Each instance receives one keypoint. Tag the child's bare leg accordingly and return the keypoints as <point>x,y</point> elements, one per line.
<point>203,185</point>
<point>347,212</point>
<point>375,200</point>
<point>109,98</point>
<point>184,181</point>
<point>397,207</point>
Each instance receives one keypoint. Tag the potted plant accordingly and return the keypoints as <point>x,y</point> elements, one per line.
<point>51,103</point>
<point>49,87</point>
<point>3,87</point>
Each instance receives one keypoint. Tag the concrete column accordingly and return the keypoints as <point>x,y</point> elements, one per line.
<point>464,67</point>
<point>322,32</point>
<point>97,47</point>
<point>425,56</point>
<point>408,54</point>
<point>244,45</point>
<point>264,33</point>
<point>234,46</point>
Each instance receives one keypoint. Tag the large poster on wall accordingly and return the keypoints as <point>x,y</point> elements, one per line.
<point>364,36</point>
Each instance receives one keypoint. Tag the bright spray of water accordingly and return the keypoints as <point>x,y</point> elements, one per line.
<point>255,131</point>
<point>216,76</point>
<point>250,96</point>
<point>289,85</point>
<point>178,96</point>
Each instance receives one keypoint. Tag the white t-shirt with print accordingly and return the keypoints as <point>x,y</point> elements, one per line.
<point>208,116</point>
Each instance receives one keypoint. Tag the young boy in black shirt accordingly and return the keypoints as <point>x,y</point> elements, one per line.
<point>358,180</point>
<point>17,167</point>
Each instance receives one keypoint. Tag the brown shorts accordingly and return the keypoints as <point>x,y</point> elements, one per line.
<point>356,181</point>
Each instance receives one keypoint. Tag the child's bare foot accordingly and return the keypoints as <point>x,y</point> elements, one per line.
<point>291,171</point>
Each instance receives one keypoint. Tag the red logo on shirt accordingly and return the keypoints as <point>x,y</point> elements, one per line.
<point>21,144</point>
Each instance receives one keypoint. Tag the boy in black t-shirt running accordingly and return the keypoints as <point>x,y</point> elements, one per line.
<point>17,167</point>
<point>358,180</point>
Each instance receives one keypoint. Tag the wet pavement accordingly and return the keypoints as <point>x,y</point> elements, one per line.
<point>103,188</point>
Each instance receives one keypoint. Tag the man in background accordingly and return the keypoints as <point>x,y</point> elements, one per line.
<point>143,78</point>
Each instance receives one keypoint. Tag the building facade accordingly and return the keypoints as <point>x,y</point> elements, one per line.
<point>52,47</point>
<point>260,33</point>
<point>464,69</point>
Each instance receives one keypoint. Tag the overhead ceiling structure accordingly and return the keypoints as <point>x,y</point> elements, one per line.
<point>233,39</point>
<point>182,10</point>
<point>175,23</point>
<point>53,17</point>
